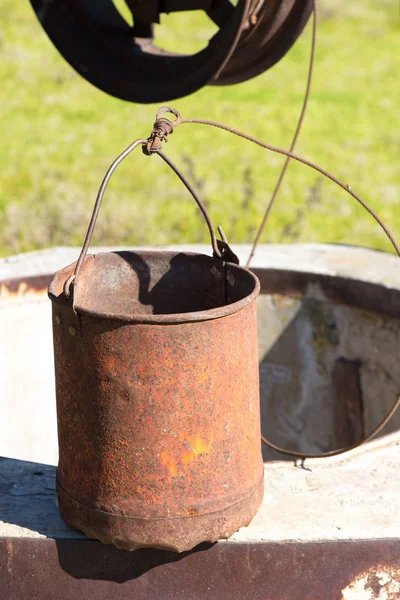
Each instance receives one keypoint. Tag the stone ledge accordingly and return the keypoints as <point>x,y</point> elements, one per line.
<point>351,262</point>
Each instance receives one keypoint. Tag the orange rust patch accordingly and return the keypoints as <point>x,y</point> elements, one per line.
<point>201,447</point>
<point>380,582</point>
<point>111,362</point>
<point>196,446</point>
<point>203,377</point>
<point>23,290</point>
<point>10,555</point>
<point>188,457</point>
<point>191,511</point>
<point>169,462</point>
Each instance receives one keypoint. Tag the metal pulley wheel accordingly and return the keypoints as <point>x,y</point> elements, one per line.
<point>122,60</point>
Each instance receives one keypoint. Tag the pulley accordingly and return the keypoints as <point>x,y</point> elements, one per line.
<point>123,61</point>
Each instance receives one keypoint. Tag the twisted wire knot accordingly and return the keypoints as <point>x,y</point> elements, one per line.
<point>161,129</point>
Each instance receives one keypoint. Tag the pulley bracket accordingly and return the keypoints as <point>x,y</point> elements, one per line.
<point>123,61</point>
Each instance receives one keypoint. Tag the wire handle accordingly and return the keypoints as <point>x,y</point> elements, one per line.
<point>162,127</point>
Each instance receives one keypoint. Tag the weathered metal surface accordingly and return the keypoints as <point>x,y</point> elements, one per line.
<point>28,287</point>
<point>157,399</point>
<point>46,569</point>
<point>123,61</point>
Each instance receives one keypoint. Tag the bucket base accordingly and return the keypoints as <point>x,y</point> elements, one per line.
<point>178,534</point>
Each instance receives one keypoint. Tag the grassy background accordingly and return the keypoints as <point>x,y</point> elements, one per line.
<point>59,134</point>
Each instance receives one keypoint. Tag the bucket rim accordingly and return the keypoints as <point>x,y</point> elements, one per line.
<point>159,319</point>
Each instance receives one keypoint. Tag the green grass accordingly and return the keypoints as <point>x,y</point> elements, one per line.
<point>59,134</point>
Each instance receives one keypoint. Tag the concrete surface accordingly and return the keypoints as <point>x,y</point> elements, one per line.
<point>331,259</point>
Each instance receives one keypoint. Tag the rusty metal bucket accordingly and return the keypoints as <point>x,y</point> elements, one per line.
<point>157,397</point>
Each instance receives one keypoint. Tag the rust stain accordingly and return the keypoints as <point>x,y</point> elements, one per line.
<point>192,511</point>
<point>27,287</point>
<point>10,555</point>
<point>111,362</point>
<point>381,582</point>
<point>202,377</point>
<point>23,291</point>
<point>169,462</point>
<point>195,447</point>
<point>201,447</point>
<point>188,457</point>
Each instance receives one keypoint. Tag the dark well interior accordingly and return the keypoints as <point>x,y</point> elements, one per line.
<point>129,283</point>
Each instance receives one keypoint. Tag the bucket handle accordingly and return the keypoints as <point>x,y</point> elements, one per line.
<point>220,247</point>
